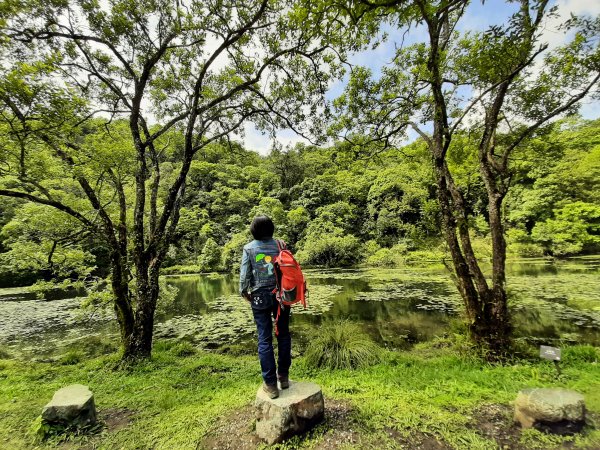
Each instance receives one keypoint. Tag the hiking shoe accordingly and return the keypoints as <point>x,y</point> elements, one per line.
<point>284,382</point>
<point>271,390</point>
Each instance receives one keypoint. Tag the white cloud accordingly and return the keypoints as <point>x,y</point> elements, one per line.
<point>262,143</point>
<point>552,33</point>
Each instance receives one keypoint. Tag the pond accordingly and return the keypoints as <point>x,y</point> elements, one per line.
<point>549,301</point>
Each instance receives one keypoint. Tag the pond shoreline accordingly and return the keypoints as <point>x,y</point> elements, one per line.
<point>550,303</point>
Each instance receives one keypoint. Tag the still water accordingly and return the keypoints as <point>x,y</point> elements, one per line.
<point>550,302</point>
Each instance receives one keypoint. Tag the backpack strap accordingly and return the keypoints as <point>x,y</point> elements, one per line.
<point>281,245</point>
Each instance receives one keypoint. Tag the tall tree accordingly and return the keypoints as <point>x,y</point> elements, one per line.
<point>174,77</point>
<point>500,86</point>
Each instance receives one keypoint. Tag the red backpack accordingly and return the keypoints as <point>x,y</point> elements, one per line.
<point>291,284</point>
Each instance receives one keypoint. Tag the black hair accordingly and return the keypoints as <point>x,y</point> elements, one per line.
<point>262,228</point>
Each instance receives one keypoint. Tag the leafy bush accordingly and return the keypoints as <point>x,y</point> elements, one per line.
<point>232,251</point>
<point>210,258</point>
<point>519,243</point>
<point>342,346</point>
<point>428,255</point>
<point>575,228</point>
<point>180,270</point>
<point>330,250</point>
<point>383,257</point>
<point>482,247</point>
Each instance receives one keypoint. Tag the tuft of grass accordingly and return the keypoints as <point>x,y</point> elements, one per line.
<point>71,358</point>
<point>92,346</point>
<point>534,439</point>
<point>342,346</point>
<point>580,354</point>
<point>184,349</point>
<point>4,354</point>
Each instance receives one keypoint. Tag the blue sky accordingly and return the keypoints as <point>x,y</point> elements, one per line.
<point>478,17</point>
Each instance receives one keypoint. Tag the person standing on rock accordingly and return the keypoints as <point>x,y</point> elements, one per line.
<point>257,282</point>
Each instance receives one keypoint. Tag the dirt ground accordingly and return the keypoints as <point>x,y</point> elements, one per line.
<point>340,430</point>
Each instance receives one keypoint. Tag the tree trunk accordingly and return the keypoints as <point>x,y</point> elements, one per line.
<point>139,345</point>
<point>493,331</point>
<point>486,308</point>
<point>122,302</point>
<point>498,327</point>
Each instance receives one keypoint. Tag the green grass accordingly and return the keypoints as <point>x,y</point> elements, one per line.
<point>341,345</point>
<point>179,395</point>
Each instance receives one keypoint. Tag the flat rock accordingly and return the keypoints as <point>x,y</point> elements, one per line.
<point>295,411</point>
<point>71,406</point>
<point>554,410</point>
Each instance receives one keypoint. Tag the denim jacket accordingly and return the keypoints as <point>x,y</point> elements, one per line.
<point>257,270</point>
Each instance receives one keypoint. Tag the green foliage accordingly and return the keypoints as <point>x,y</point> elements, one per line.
<point>388,257</point>
<point>166,294</point>
<point>557,180</point>
<point>341,212</point>
<point>181,269</point>
<point>330,250</point>
<point>40,430</point>
<point>341,346</point>
<point>574,228</point>
<point>382,258</point>
<point>210,258</point>
<point>521,244</point>
<point>538,440</point>
<point>578,354</point>
<point>232,252</point>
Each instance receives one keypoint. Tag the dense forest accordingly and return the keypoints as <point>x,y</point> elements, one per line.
<point>333,208</point>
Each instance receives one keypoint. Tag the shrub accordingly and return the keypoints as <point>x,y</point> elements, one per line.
<point>180,270</point>
<point>232,251</point>
<point>381,258</point>
<point>330,251</point>
<point>519,243</point>
<point>210,258</point>
<point>482,247</point>
<point>342,346</point>
<point>575,228</point>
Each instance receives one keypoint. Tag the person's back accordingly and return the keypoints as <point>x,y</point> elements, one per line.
<point>260,255</point>
<point>257,283</point>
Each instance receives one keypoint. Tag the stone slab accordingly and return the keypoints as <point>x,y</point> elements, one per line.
<point>552,409</point>
<point>71,406</point>
<point>295,411</point>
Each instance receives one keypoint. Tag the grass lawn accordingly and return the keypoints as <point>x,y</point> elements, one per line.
<point>431,397</point>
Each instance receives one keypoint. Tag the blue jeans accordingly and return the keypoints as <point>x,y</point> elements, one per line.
<point>263,318</point>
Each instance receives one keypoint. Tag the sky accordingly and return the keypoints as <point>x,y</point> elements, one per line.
<point>478,17</point>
